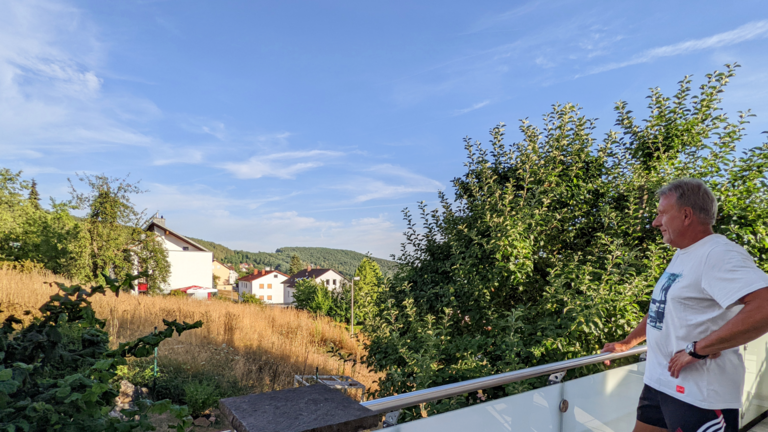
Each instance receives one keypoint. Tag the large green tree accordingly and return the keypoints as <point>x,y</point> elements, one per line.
<point>116,240</point>
<point>547,251</point>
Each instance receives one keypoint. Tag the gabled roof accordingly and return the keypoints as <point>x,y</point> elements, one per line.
<point>309,274</point>
<point>173,233</point>
<point>252,277</point>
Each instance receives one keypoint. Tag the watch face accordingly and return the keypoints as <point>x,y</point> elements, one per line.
<point>689,348</point>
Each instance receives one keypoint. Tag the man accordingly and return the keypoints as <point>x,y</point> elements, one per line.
<point>711,299</point>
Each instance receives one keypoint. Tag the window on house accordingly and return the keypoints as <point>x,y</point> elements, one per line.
<point>334,282</point>
<point>261,297</point>
<point>269,286</point>
<point>269,297</point>
<point>261,286</point>
<point>327,282</point>
<point>186,248</point>
<point>275,276</point>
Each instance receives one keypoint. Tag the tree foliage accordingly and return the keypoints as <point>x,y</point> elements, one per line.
<point>56,373</point>
<point>115,237</point>
<point>296,265</point>
<point>547,251</point>
<point>367,289</point>
<point>110,239</point>
<point>317,298</point>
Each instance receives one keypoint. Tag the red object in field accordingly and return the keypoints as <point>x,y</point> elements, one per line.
<point>209,296</point>
<point>142,287</point>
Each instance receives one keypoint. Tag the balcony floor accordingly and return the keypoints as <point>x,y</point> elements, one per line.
<point>760,427</point>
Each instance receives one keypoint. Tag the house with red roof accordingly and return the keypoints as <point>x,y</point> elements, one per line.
<point>267,285</point>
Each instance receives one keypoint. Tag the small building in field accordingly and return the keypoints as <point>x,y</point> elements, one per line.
<point>332,279</point>
<point>190,262</point>
<point>198,292</point>
<point>267,285</point>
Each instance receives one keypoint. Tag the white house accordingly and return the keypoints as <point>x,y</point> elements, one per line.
<point>266,284</point>
<point>190,262</point>
<point>332,279</point>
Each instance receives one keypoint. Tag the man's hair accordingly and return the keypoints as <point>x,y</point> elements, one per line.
<point>693,193</point>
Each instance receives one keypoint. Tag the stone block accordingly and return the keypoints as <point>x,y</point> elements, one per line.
<point>315,408</point>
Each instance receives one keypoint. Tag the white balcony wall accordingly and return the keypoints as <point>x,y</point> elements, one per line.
<point>603,402</point>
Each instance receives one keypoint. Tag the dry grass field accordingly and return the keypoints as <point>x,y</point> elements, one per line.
<point>258,348</point>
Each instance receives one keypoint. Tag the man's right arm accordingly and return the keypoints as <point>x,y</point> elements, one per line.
<point>635,337</point>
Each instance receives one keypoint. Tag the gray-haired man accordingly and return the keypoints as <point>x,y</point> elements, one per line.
<point>710,299</point>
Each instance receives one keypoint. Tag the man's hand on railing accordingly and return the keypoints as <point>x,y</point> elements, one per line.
<point>615,347</point>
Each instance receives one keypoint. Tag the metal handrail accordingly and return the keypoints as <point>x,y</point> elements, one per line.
<point>396,402</point>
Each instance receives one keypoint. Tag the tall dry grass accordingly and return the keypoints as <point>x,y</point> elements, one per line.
<point>265,346</point>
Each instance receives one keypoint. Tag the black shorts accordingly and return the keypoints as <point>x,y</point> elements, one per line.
<point>664,411</point>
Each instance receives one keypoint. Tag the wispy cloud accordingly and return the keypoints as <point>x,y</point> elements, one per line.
<point>284,165</point>
<point>753,30</point>
<point>392,182</point>
<point>502,18</point>
<point>472,108</point>
<point>51,93</point>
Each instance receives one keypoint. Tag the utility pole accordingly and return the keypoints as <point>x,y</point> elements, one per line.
<point>352,319</point>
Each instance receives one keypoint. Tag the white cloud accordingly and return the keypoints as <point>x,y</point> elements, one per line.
<point>284,165</point>
<point>753,30</point>
<point>238,223</point>
<point>392,182</point>
<point>51,93</point>
<point>472,108</point>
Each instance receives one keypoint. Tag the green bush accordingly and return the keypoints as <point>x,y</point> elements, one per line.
<point>547,251</point>
<point>200,396</point>
<point>317,298</point>
<point>57,373</point>
<point>177,293</point>
<point>251,299</point>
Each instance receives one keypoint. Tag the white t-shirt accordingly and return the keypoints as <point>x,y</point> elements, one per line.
<point>695,296</point>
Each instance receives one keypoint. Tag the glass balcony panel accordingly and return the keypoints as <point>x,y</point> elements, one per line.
<point>535,411</point>
<point>605,401</point>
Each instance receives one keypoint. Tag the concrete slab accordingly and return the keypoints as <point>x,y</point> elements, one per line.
<point>315,408</point>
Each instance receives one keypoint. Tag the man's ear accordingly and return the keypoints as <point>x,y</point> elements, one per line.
<point>687,215</point>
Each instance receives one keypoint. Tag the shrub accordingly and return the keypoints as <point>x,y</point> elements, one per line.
<point>177,293</point>
<point>56,372</point>
<point>200,396</point>
<point>251,299</point>
<point>317,298</point>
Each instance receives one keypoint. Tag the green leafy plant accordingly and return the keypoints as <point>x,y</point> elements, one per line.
<point>251,299</point>
<point>56,373</point>
<point>200,397</point>
<point>547,251</point>
<point>317,298</point>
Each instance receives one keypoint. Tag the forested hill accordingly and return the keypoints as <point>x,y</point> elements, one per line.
<point>345,261</point>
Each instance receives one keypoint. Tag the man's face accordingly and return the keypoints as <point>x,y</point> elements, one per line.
<point>670,219</point>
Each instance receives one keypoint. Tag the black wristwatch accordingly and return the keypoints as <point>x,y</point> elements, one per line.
<point>691,351</point>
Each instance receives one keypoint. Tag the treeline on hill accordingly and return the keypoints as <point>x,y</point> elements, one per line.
<point>344,261</point>
<point>547,251</point>
<point>109,240</point>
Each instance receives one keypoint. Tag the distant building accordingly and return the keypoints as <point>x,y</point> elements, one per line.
<point>190,262</point>
<point>267,285</point>
<point>226,274</point>
<point>332,279</point>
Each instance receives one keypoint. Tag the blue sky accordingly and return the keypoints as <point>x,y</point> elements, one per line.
<point>266,124</point>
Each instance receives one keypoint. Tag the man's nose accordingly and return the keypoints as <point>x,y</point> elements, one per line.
<point>656,223</point>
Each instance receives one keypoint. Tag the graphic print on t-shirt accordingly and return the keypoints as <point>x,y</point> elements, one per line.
<point>659,300</point>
